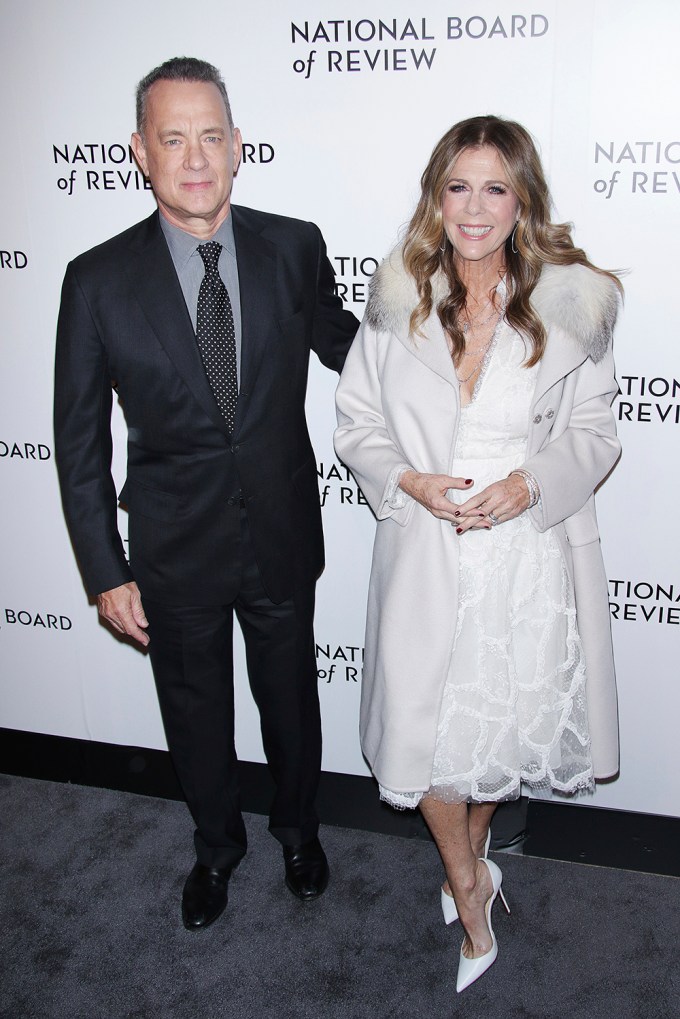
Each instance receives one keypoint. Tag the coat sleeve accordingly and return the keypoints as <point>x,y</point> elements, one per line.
<point>362,439</point>
<point>83,444</point>
<point>571,466</point>
<point>333,328</point>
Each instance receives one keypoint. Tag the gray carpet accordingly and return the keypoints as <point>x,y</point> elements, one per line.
<point>90,926</point>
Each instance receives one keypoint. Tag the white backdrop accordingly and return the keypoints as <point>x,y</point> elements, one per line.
<point>340,105</point>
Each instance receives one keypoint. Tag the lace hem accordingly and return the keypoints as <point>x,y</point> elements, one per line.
<point>582,785</point>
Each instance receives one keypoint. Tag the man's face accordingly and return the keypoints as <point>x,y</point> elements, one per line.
<point>189,153</point>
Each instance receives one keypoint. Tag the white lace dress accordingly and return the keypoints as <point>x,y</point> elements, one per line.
<point>513,709</point>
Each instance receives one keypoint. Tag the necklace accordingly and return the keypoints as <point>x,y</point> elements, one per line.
<point>479,350</point>
<point>472,324</point>
<point>481,308</point>
<point>476,366</point>
<point>481,354</point>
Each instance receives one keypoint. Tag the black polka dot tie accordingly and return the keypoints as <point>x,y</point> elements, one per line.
<point>215,334</point>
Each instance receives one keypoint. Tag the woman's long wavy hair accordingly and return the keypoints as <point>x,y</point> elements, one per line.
<point>536,239</point>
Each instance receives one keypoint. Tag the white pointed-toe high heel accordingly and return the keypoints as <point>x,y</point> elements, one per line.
<point>470,970</point>
<point>448,904</point>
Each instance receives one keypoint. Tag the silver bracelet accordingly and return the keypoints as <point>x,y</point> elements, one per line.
<point>531,483</point>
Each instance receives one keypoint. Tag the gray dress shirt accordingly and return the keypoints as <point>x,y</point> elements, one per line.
<point>190,270</point>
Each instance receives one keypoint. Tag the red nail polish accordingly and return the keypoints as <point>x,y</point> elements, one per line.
<point>459,530</point>
<point>468,481</point>
<point>457,513</point>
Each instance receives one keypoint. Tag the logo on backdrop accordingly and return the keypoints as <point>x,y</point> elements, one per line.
<point>257,152</point>
<point>97,166</point>
<point>352,275</point>
<point>398,44</point>
<point>337,485</point>
<point>25,619</point>
<point>24,450</point>
<point>642,601</point>
<point>13,259</point>
<point>648,399</point>
<point>636,167</point>
<point>339,663</point>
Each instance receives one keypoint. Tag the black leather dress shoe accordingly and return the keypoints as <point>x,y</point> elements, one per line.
<point>306,869</point>
<point>204,896</point>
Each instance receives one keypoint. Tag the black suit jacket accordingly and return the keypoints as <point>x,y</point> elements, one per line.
<point>123,320</point>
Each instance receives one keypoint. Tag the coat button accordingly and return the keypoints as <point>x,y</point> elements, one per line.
<point>550,413</point>
<point>538,418</point>
<point>231,501</point>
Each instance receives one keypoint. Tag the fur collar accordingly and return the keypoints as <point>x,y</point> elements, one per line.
<point>573,298</point>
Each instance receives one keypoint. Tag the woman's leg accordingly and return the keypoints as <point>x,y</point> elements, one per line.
<point>479,819</point>
<point>468,879</point>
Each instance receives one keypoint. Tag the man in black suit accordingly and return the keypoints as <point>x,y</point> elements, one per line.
<point>203,317</point>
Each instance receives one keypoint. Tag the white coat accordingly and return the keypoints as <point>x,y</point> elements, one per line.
<point>398,404</point>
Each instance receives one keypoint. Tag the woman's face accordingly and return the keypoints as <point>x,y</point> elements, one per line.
<point>479,208</point>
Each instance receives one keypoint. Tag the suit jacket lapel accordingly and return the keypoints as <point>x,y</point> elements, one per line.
<point>256,259</point>
<point>154,281</point>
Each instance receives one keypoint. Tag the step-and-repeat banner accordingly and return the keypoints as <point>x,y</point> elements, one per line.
<point>340,105</point>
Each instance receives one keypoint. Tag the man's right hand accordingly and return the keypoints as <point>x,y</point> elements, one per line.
<point>122,608</point>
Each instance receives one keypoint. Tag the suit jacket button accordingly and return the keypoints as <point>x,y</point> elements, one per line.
<point>231,501</point>
<point>537,419</point>
<point>550,413</point>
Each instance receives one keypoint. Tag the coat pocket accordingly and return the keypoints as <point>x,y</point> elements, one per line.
<point>150,502</point>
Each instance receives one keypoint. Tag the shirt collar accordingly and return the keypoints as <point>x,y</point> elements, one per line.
<point>183,245</point>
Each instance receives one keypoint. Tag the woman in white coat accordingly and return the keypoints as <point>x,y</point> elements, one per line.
<point>474,410</point>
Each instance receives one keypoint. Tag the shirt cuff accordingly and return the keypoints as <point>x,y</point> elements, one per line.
<point>395,497</point>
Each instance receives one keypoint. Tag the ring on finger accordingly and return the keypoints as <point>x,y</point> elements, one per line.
<point>493,519</point>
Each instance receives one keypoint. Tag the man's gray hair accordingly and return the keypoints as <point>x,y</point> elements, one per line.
<point>180,69</point>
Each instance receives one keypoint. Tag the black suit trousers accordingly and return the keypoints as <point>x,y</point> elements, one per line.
<point>191,649</point>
